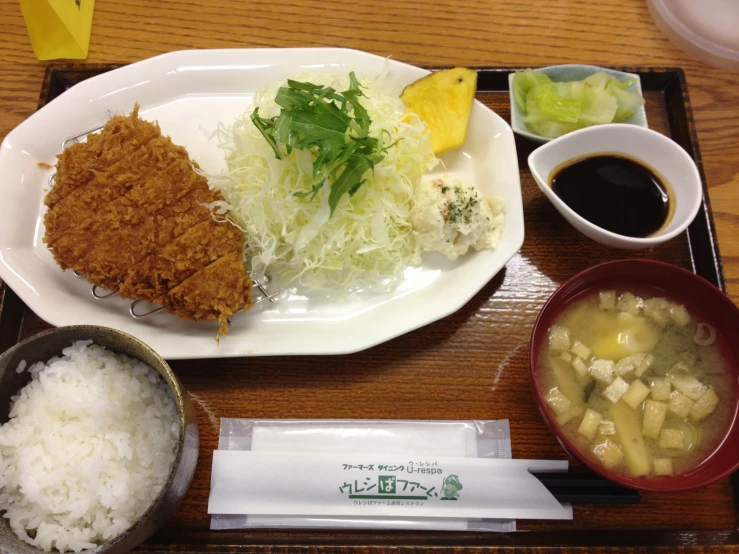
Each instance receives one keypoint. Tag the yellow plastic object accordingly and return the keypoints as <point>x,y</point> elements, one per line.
<point>59,28</point>
<point>443,100</point>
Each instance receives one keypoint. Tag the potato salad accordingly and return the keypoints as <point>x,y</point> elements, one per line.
<point>451,216</point>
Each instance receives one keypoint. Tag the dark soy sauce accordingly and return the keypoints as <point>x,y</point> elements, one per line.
<point>615,193</point>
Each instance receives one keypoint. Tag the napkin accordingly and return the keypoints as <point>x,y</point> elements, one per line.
<point>294,441</point>
<point>367,485</point>
<point>59,28</point>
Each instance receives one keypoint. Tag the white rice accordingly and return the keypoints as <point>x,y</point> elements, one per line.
<point>88,447</point>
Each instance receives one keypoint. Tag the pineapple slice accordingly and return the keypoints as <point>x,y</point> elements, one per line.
<point>443,100</point>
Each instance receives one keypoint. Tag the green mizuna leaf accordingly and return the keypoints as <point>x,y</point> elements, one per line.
<point>266,127</point>
<point>349,180</point>
<point>333,126</point>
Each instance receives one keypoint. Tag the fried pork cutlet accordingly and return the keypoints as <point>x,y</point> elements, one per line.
<point>127,212</point>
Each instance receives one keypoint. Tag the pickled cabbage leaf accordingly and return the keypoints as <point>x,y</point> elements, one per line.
<point>597,107</point>
<point>523,82</point>
<point>626,101</point>
<point>553,109</point>
<point>554,105</point>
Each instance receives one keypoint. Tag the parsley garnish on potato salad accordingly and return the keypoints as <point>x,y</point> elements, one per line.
<point>323,176</point>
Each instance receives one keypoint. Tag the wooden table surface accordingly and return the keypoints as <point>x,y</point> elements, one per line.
<point>490,34</point>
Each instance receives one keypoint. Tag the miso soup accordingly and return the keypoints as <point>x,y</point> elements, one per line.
<point>637,382</point>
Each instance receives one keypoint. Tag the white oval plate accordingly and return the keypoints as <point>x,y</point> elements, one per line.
<point>189,93</point>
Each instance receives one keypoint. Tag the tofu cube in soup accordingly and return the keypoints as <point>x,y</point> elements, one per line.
<point>680,405</point>
<point>654,417</point>
<point>557,401</point>
<point>644,365</point>
<point>630,303</point>
<point>688,385</point>
<point>636,394</point>
<point>661,388</point>
<point>602,371</point>
<point>609,453</point>
<point>579,349</point>
<point>566,357</point>
<point>569,414</point>
<point>662,466</point>
<point>606,427</point>
<point>559,338</point>
<point>589,424</point>
<point>657,309</point>
<point>616,389</point>
<point>580,367</point>
<point>679,315</point>
<point>704,406</point>
<point>628,364</point>
<point>671,438</point>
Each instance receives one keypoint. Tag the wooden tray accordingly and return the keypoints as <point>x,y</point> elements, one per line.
<point>470,365</point>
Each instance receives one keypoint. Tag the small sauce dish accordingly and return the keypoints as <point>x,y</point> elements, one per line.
<point>664,157</point>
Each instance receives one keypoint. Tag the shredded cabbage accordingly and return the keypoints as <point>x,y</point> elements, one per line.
<point>369,240</point>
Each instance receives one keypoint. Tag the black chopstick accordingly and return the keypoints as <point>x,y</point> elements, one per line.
<point>587,488</point>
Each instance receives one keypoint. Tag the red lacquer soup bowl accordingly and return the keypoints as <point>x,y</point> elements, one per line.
<point>699,296</point>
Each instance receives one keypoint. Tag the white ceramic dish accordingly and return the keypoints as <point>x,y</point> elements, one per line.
<point>573,72</point>
<point>189,93</point>
<point>654,149</point>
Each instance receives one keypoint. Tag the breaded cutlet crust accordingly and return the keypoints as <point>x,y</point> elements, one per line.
<point>127,212</point>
